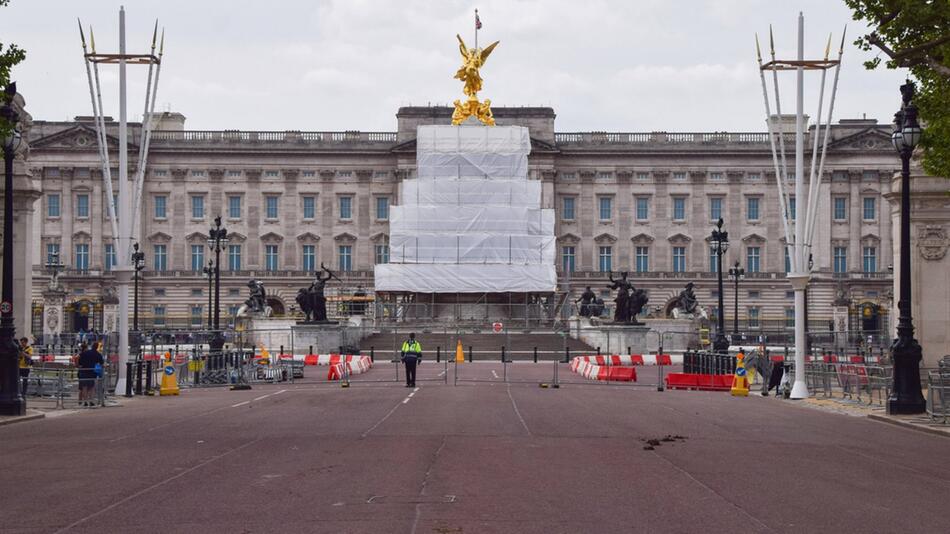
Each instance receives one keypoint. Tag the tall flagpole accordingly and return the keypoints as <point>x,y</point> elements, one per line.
<point>799,278</point>
<point>123,271</point>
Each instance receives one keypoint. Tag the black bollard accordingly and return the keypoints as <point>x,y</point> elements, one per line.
<point>372,354</point>
<point>502,353</point>
<point>567,355</point>
<point>311,350</point>
<point>128,379</point>
<point>536,355</point>
<point>628,350</point>
<point>469,354</point>
<point>438,354</point>
<point>148,377</point>
<point>598,351</point>
<point>138,377</point>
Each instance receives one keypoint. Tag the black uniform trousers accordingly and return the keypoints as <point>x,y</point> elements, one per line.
<point>410,360</point>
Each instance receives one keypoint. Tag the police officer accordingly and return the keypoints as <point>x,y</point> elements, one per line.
<point>411,355</point>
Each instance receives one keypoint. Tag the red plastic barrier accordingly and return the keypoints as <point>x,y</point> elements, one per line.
<point>664,359</point>
<point>151,357</point>
<point>622,374</point>
<point>636,359</point>
<point>779,358</point>
<point>310,359</point>
<point>180,359</point>
<point>701,382</point>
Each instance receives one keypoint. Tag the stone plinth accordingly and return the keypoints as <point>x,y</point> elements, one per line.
<point>325,338</point>
<point>677,335</point>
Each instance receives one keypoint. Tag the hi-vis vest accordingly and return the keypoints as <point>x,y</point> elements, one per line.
<point>413,348</point>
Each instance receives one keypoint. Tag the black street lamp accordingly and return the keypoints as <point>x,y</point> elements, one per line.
<point>720,243</point>
<point>906,396</point>
<point>138,263</point>
<point>209,272</point>
<point>11,402</point>
<point>736,273</point>
<point>217,240</point>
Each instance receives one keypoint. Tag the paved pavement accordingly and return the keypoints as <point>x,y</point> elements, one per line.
<point>477,457</point>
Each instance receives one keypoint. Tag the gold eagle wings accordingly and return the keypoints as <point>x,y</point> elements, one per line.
<point>472,60</point>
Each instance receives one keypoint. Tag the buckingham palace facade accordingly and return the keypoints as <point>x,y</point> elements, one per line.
<point>639,202</point>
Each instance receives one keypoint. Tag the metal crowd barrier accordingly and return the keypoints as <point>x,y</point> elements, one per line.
<point>58,388</point>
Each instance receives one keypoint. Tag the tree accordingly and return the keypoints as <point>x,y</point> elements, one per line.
<point>8,58</point>
<point>915,34</point>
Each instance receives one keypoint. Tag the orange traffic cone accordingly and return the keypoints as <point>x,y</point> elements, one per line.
<point>459,353</point>
<point>740,380</point>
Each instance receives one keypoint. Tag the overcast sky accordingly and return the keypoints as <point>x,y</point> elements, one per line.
<point>634,65</point>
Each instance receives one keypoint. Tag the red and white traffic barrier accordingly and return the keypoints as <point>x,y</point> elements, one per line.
<point>635,359</point>
<point>583,366</point>
<point>353,365</point>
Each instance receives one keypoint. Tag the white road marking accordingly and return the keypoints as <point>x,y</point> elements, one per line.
<point>240,404</point>
<point>494,374</point>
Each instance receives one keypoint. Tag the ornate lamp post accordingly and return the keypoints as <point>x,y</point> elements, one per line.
<point>217,239</point>
<point>720,242</point>
<point>209,272</point>
<point>906,396</point>
<point>138,263</point>
<point>11,402</point>
<point>736,273</point>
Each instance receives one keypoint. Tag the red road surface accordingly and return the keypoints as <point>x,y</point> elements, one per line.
<point>477,457</point>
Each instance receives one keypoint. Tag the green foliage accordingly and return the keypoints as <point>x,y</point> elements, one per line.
<point>8,58</point>
<point>915,34</point>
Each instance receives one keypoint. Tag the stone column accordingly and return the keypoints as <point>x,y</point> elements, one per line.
<point>53,319</point>
<point>930,262</point>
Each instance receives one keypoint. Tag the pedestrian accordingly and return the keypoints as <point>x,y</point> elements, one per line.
<point>26,362</point>
<point>411,355</point>
<point>90,360</point>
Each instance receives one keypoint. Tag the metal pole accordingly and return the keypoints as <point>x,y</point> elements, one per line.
<point>799,279</point>
<point>11,401</point>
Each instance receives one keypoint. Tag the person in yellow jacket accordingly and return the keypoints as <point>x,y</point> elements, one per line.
<point>26,362</point>
<point>411,355</point>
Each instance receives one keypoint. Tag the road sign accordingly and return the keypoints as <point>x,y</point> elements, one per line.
<point>6,307</point>
<point>497,327</point>
<point>169,370</point>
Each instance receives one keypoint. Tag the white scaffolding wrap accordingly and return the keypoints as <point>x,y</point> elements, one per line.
<point>471,222</point>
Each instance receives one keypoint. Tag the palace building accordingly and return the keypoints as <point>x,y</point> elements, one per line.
<point>643,202</point>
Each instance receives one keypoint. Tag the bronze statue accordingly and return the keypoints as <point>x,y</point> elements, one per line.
<point>587,300</point>
<point>687,300</point>
<point>257,301</point>
<point>312,301</point>
<point>627,300</point>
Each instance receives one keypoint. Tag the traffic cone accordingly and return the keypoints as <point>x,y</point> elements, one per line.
<point>459,353</point>
<point>169,379</point>
<point>740,382</point>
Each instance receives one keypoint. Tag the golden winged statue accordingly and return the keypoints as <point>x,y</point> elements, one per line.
<point>472,60</point>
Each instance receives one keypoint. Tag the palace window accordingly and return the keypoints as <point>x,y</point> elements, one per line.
<point>643,176</point>
<point>713,260</point>
<point>679,209</point>
<point>161,204</point>
<point>382,208</point>
<point>840,211</point>
<point>309,207</point>
<point>752,315</point>
<point>870,208</point>
<point>234,257</point>
<point>382,254</point>
<point>752,259</point>
<point>788,261</point>
<point>346,258</point>
<point>197,174</point>
<point>346,208</point>
<point>234,207</point>
<point>715,208</point>
<point>643,208</point>
<point>82,256</point>
<point>606,259</point>
<point>606,207</point>
<point>158,315</point>
<point>567,259</point>
<point>197,257</point>
<point>716,177</point>
<point>160,257</point>
<point>197,207</point>
<point>234,174</point>
<point>196,316</point>
<point>567,213</point>
<point>841,259</point>
<point>870,259</point>
<point>271,201</point>
<point>679,259</point>
<point>271,174</point>
<point>82,206</point>
<point>52,205</point>
<point>309,174</point>
<point>679,176</point>
<point>752,208</point>
<point>791,208</point>
<point>790,317</point>
<point>643,259</point>
<point>309,258</point>
<point>270,257</point>
<point>110,257</point>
